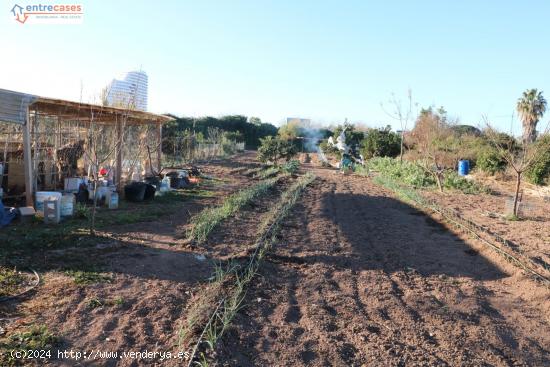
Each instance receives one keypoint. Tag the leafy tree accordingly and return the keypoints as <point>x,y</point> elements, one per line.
<point>540,170</point>
<point>490,161</point>
<point>353,137</point>
<point>255,120</point>
<point>461,130</point>
<point>381,143</point>
<point>289,131</point>
<point>234,136</point>
<point>233,123</point>
<point>274,149</point>
<point>531,107</point>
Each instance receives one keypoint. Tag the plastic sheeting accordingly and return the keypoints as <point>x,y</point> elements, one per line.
<point>6,215</point>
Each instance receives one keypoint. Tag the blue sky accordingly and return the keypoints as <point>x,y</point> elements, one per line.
<point>325,60</point>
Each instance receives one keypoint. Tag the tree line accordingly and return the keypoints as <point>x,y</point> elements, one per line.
<point>239,127</point>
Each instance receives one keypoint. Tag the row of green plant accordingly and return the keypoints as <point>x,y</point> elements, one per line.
<point>241,276</point>
<point>291,167</point>
<point>415,175</point>
<point>205,221</point>
<point>268,172</point>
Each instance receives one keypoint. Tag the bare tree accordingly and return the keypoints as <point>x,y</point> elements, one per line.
<point>401,113</point>
<point>436,143</point>
<point>101,145</point>
<point>520,156</point>
<point>102,142</point>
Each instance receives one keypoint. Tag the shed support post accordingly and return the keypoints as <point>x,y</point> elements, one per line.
<point>118,170</point>
<point>159,147</point>
<point>27,158</point>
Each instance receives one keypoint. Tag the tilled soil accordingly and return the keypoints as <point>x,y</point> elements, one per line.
<point>529,236</point>
<point>359,278</point>
<point>235,238</point>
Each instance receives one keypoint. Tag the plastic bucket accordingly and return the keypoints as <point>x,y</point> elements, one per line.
<point>43,195</point>
<point>463,167</point>
<point>112,200</point>
<point>67,205</point>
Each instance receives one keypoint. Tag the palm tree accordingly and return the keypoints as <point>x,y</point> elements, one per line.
<point>531,106</point>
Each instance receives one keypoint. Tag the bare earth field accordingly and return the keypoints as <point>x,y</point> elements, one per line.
<point>530,236</point>
<point>359,278</point>
<point>356,278</point>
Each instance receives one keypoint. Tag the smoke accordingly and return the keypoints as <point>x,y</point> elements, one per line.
<point>312,137</point>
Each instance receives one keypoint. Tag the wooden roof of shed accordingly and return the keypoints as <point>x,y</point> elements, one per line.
<point>86,112</point>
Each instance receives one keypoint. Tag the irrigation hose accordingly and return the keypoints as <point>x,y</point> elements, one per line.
<point>26,291</point>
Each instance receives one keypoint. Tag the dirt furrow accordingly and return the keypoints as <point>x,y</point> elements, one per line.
<point>359,278</point>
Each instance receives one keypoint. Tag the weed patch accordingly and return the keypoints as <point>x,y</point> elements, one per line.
<point>82,277</point>
<point>36,338</point>
<point>415,176</point>
<point>11,281</point>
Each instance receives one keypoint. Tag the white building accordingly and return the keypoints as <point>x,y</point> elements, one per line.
<point>298,121</point>
<point>130,91</point>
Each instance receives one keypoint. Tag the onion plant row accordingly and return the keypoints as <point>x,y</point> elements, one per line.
<point>241,276</point>
<point>204,222</point>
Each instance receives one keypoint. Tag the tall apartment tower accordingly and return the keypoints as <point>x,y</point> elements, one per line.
<point>130,91</point>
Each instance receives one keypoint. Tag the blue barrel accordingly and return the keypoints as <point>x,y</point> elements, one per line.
<point>463,167</point>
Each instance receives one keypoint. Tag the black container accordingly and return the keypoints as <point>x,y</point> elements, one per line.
<point>153,180</point>
<point>83,194</point>
<point>135,191</point>
<point>149,192</point>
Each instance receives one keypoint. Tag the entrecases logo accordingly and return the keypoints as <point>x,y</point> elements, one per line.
<point>48,13</point>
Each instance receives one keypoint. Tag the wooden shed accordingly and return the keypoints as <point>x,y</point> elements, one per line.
<point>44,140</point>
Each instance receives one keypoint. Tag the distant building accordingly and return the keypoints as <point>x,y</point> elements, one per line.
<point>130,91</point>
<point>298,121</point>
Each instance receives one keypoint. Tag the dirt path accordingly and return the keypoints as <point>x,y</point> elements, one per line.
<point>359,278</point>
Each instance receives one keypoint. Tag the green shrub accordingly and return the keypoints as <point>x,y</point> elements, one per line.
<point>451,180</point>
<point>412,174</point>
<point>329,149</point>
<point>539,173</point>
<point>291,167</point>
<point>274,149</point>
<point>381,143</point>
<point>81,211</point>
<point>490,161</point>
<point>405,172</point>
